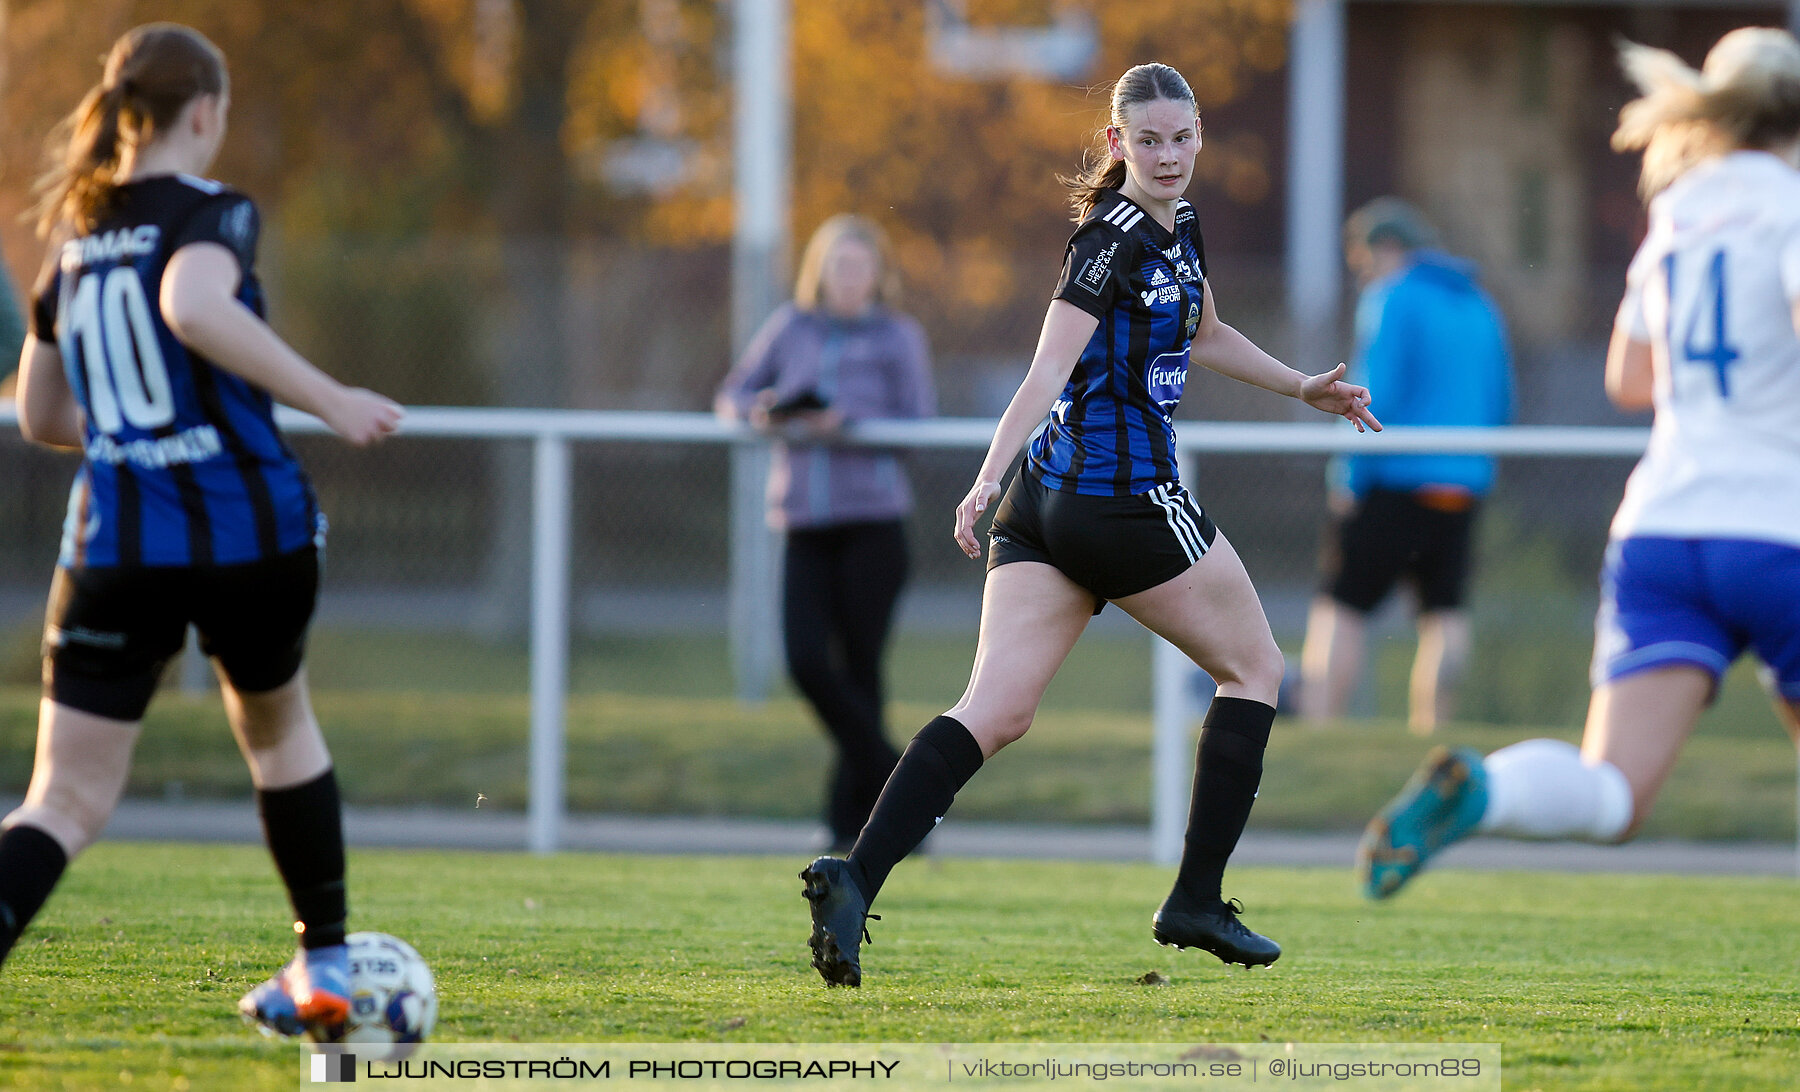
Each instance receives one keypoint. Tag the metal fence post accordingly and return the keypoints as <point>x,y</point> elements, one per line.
<point>1315,163</point>
<point>1171,715</point>
<point>550,522</point>
<point>1171,756</point>
<point>753,576</point>
<point>762,139</point>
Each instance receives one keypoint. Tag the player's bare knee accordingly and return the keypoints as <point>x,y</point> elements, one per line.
<point>268,720</point>
<point>1257,669</point>
<point>994,730</point>
<point>1013,727</point>
<point>1270,668</point>
<point>257,736</point>
<point>72,814</point>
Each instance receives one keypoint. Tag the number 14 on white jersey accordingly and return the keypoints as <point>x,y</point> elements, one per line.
<point>1713,291</point>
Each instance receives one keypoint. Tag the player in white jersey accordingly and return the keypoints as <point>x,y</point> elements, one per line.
<point>1703,561</point>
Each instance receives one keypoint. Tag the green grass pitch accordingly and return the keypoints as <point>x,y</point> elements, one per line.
<point>130,977</point>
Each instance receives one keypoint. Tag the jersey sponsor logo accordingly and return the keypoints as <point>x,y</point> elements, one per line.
<point>1158,278</point>
<point>1093,272</point>
<point>1060,410</point>
<point>194,445</point>
<point>1166,379</point>
<point>1168,293</point>
<point>110,246</point>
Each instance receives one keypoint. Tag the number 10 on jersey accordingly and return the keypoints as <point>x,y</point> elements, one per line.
<point>1706,318</point>
<point>109,320</point>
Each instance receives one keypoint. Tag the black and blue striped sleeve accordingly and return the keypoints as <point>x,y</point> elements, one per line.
<point>229,219</point>
<point>1094,268</point>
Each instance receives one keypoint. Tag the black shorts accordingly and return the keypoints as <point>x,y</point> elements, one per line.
<point>1391,534</point>
<point>109,633</point>
<point>1112,546</point>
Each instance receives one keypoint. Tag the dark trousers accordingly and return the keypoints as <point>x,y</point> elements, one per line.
<point>839,590</point>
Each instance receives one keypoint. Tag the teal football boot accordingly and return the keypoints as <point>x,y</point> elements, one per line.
<point>1441,805</point>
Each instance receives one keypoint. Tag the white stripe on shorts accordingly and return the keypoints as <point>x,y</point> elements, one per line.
<point>1187,532</point>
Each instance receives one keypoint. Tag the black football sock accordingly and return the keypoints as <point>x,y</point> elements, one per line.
<point>30,864</point>
<point>304,827</point>
<point>1227,769</point>
<point>936,764</point>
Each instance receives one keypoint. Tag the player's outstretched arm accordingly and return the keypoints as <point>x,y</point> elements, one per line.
<point>200,304</point>
<point>48,412</point>
<point>1067,329</point>
<point>1221,348</point>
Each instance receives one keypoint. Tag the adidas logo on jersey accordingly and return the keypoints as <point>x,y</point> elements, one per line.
<point>1124,216</point>
<point>1158,278</point>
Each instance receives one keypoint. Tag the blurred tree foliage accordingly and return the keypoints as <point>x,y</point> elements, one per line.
<point>372,127</point>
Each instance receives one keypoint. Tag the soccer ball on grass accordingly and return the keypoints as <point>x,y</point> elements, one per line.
<point>393,999</point>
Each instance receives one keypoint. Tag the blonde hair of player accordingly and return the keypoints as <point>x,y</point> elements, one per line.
<point>1745,96</point>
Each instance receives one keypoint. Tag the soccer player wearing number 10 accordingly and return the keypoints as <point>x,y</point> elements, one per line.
<point>1704,558</point>
<point>149,354</point>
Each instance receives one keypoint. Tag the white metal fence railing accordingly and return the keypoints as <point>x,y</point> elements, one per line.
<point>754,588</point>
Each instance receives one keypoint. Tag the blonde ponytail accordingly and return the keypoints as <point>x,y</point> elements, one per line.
<point>1746,95</point>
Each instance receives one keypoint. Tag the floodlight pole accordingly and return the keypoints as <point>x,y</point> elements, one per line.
<point>759,260</point>
<point>1315,177</point>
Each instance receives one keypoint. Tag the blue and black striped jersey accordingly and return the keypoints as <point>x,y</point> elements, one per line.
<point>183,463</point>
<point>1111,431</point>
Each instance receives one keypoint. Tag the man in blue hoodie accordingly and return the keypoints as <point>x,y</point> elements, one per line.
<point>1431,347</point>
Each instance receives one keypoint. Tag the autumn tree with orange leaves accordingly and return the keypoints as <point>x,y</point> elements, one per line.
<point>486,132</point>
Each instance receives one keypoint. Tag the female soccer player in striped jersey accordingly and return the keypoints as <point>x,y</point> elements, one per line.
<point>1704,557</point>
<point>1097,514</point>
<point>149,354</point>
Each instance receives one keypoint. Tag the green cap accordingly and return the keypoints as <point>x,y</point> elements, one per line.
<point>1389,220</point>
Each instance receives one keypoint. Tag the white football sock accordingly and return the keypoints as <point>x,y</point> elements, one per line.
<point>1541,788</point>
